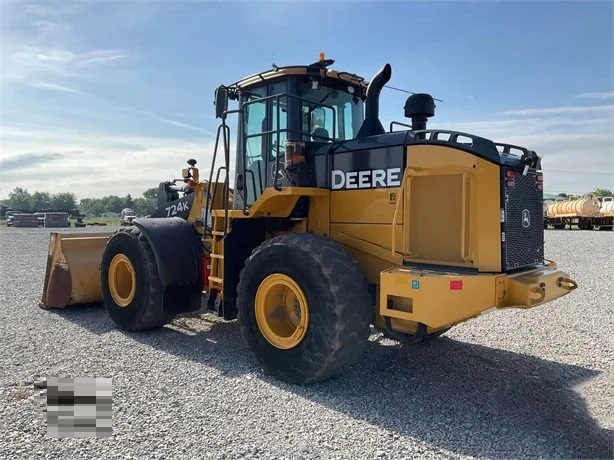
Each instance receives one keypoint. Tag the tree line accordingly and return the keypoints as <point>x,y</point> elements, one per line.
<point>598,192</point>
<point>21,199</point>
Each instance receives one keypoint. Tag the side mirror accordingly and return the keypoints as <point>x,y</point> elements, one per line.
<point>221,101</point>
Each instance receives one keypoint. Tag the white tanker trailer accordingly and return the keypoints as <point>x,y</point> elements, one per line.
<point>586,213</point>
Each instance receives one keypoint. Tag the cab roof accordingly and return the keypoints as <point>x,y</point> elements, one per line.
<point>316,70</point>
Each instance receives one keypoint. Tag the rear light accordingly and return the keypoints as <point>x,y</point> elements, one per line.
<point>456,285</point>
<point>510,173</point>
<point>509,183</point>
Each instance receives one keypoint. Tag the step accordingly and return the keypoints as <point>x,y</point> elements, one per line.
<point>215,279</point>
<point>216,256</point>
<point>217,233</point>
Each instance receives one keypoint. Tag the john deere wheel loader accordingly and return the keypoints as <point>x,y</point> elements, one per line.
<point>333,224</point>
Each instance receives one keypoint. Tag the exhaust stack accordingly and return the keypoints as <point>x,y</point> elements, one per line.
<point>419,107</point>
<point>372,126</point>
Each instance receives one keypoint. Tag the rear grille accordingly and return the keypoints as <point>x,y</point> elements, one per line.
<point>523,226</point>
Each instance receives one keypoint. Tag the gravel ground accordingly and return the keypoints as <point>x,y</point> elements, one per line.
<point>511,384</point>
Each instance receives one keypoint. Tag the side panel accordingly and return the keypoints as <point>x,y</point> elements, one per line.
<point>355,157</point>
<point>452,206</point>
<point>370,244</point>
<point>177,208</point>
<point>375,206</point>
<point>365,186</point>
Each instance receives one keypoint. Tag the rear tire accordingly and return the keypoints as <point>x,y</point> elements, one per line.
<point>135,303</point>
<point>329,287</point>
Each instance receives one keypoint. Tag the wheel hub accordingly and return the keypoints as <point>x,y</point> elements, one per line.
<point>122,280</point>
<point>281,310</point>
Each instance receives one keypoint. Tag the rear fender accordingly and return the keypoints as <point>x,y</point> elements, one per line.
<point>177,248</point>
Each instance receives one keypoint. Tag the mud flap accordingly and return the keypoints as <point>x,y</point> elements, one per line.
<point>72,274</point>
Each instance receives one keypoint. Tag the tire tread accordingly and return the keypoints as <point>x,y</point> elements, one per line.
<point>351,305</point>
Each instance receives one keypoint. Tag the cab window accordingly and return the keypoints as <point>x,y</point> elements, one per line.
<point>329,113</point>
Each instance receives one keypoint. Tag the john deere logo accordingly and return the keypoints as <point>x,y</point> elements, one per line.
<point>526,218</point>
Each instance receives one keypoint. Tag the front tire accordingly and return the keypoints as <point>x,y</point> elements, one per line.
<point>304,308</point>
<point>131,289</point>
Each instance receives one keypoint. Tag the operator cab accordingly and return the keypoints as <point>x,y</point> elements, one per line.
<point>305,104</point>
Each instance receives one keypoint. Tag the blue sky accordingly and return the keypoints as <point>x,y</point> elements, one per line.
<point>108,97</point>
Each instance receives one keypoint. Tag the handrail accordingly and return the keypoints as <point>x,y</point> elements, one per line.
<point>464,218</point>
<point>400,124</point>
<point>225,129</point>
<point>400,197</point>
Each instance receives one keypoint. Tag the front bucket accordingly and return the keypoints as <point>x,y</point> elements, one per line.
<point>72,276</point>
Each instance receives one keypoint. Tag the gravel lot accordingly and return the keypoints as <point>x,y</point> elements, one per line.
<point>511,384</point>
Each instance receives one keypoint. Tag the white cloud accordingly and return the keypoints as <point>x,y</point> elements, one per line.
<point>603,95</point>
<point>93,164</point>
<point>576,143</point>
<point>52,87</point>
<point>39,42</point>
<point>168,121</point>
<point>24,62</point>
<point>560,110</point>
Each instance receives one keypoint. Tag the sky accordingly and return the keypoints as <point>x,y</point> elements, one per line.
<point>110,97</point>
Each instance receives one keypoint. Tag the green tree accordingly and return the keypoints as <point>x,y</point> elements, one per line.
<point>113,203</point>
<point>151,193</point>
<point>601,192</point>
<point>143,206</point>
<point>97,207</point>
<point>41,200</point>
<point>64,200</point>
<point>148,203</point>
<point>85,205</point>
<point>20,199</point>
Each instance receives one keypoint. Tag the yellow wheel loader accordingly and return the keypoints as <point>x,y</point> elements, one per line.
<point>334,224</point>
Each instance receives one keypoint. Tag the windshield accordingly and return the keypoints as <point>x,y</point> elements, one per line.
<point>339,120</point>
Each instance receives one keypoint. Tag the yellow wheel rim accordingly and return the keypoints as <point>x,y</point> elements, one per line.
<point>122,280</point>
<point>281,311</point>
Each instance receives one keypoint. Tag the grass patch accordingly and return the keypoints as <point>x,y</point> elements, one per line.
<point>112,221</point>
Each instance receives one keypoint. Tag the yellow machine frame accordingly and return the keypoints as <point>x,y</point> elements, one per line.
<point>428,246</point>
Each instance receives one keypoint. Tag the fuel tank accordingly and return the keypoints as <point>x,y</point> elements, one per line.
<point>607,206</point>
<point>587,206</point>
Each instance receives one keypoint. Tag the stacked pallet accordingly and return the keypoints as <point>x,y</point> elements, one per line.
<point>25,220</point>
<point>56,219</point>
